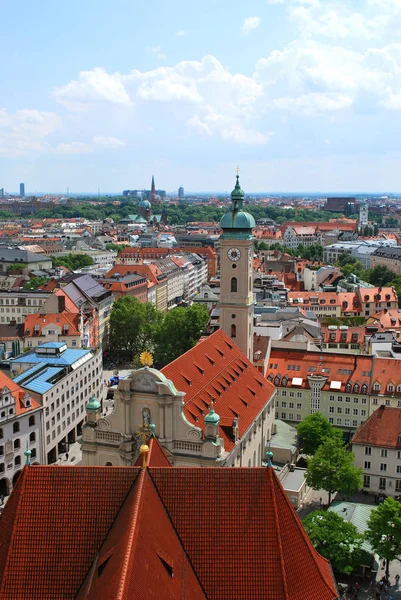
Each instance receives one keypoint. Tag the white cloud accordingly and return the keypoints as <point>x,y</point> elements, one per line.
<point>92,87</point>
<point>310,104</point>
<point>73,148</point>
<point>156,51</point>
<point>249,24</point>
<point>25,131</point>
<point>108,142</point>
<point>181,33</point>
<point>228,127</point>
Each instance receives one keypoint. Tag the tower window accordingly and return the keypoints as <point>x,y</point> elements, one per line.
<point>233,284</point>
<point>233,316</point>
<point>250,284</point>
<point>234,266</point>
<point>233,331</point>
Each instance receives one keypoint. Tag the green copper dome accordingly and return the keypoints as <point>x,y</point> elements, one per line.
<point>237,218</point>
<point>212,418</point>
<point>144,204</point>
<point>93,405</point>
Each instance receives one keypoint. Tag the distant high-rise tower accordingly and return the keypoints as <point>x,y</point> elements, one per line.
<point>22,189</point>
<point>363,216</point>
<point>153,191</point>
<point>181,192</point>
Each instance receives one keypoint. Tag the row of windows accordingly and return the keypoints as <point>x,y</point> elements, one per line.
<point>347,399</point>
<point>291,394</point>
<point>16,426</point>
<point>383,467</point>
<point>17,461</point>
<point>382,483</point>
<point>17,443</point>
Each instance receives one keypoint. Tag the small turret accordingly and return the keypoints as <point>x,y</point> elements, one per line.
<point>93,409</point>
<point>212,421</point>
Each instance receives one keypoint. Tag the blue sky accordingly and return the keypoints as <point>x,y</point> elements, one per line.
<point>305,95</point>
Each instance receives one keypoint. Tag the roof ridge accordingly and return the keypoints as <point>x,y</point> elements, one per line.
<point>20,483</point>
<point>135,510</point>
<point>280,547</point>
<point>175,529</point>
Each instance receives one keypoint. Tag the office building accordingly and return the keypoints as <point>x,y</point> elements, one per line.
<point>22,190</point>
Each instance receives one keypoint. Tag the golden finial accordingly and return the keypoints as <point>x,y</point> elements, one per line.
<point>144,449</point>
<point>146,359</point>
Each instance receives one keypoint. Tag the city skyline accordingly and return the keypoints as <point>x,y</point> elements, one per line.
<point>303,94</point>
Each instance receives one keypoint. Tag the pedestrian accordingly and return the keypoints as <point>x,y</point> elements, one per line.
<point>66,456</point>
<point>357,588</point>
<point>397,580</point>
<point>384,564</point>
<point>1,500</point>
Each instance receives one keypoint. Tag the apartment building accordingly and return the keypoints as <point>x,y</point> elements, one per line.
<point>127,285</point>
<point>15,306</point>
<point>389,257</point>
<point>12,256</point>
<point>20,430</point>
<point>59,327</point>
<point>377,449</point>
<point>299,235</point>
<point>62,380</point>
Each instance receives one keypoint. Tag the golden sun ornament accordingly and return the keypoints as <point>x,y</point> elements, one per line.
<point>146,359</point>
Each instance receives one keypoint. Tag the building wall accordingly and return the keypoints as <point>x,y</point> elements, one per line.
<point>381,468</point>
<point>392,263</point>
<point>13,443</point>
<point>14,306</point>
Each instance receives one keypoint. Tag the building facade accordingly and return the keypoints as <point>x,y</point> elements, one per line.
<point>62,381</point>
<point>20,430</point>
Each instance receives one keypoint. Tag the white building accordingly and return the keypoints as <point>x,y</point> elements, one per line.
<point>14,306</point>
<point>20,430</point>
<point>363,216</point>
<point>62,380</point>
<point>301,235</point>
<point>377,449</point>
<point>359,249</point>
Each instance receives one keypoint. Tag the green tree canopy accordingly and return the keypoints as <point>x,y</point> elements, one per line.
<point>180,331</point>
<point>72,261</point>
<point>133,327</point>
<point>384,531</point>
<point>313,431</point>
<point>332,469</point>
<point>381,275</point>
<point>335,539</point>
<point>35,282</point>
<point>16,267</point>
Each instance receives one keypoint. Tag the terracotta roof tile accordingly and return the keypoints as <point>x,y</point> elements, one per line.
<point>215,371</point>
<point>382,428</point>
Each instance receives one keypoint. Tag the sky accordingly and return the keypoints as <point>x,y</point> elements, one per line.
<point>303,95</point>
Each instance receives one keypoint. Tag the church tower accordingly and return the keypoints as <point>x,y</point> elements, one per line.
<point>236,273</point>
<point>153,191</point>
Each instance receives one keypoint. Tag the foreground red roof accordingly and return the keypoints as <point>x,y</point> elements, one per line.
<point>124,533</point>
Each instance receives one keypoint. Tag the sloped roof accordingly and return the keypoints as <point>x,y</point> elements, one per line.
<point>18,394</point>
<point>216,372</point>
<point>127,533</point>
<point>382,428</point>
<point>43,321</point>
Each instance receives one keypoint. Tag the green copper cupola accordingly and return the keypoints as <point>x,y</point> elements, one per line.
<point>237,223</point>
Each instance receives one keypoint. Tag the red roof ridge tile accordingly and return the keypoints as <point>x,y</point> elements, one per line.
<point>279,544</point>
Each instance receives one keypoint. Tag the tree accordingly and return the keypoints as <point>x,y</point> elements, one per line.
<point>335,539</point>
<point>73,261</point>
<point>384,531</point>
<point>180,331</point>
<point>381,275</point>
<point>332,469</point>
<point>133,327</point>
<point>16,267</point>
<point>313,431</point>
<point>35,282</point>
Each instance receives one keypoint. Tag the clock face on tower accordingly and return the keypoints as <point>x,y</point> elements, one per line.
<point>234,254</point>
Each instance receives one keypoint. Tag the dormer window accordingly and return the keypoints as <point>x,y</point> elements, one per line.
<point>348,387</point>
<point>390,387</point>
<point>356,388</point>
<point>364,388</point>
<point>376,387</point>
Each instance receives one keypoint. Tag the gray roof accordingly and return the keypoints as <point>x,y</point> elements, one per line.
<point>21,256</point>
<point>392,252</point>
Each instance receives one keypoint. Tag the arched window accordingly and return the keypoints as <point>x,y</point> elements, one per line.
<point>109,464</point>
<point>16,428</point>
<point>233,331</point>
<point>32,437</point>
<point>1,434</point>
<point>17,461</point>
<point>233,284</point>
<point>17,444</point>
<point>31,420</point>
<point>250,284</point>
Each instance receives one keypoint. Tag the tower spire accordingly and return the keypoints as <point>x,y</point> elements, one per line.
<point>153,190</point>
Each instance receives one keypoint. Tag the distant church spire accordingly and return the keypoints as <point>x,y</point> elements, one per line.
<point>153,190</point>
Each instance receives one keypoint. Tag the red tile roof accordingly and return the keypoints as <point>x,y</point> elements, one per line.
<point>18,394</point>
<point>382,429</point>
<point>233,510</point>
<point>216,372</point>
<point>43,321</point>
<point>100,533</point>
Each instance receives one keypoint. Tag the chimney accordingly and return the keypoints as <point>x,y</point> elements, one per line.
<point>61,304</point>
